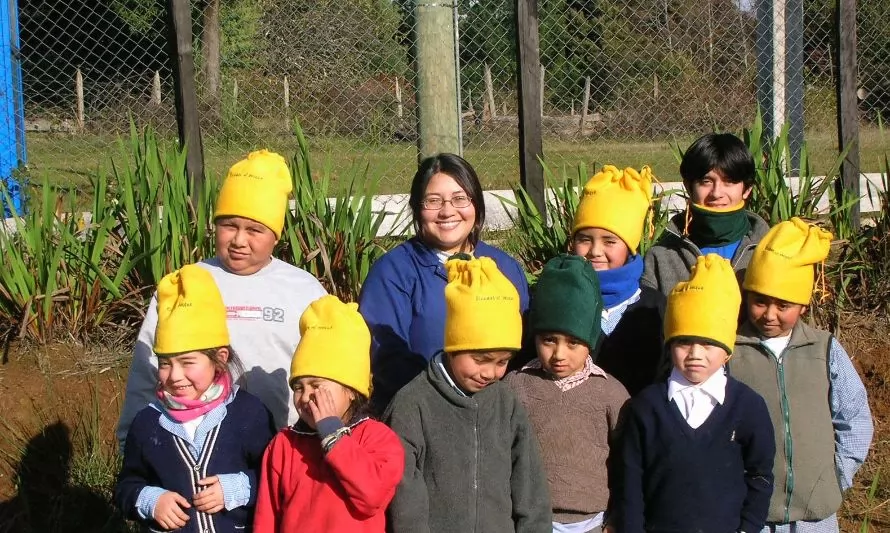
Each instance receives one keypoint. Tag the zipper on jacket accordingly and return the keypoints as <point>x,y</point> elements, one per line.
<point>476,461</point>
<point>786,427</point>
<point>741,253</point>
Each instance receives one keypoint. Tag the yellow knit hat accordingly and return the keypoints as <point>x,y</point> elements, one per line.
<point>191,313</point>
<point>257,188</point>
<point>783,262</point>
<point>707,306</point>
<point>617,201</point>
<point>335,344</point>
<point>482,307</point>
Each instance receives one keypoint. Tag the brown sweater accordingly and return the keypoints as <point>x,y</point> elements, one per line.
<point>575,430</point>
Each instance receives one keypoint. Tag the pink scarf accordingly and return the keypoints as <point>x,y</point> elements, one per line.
<point>183,410</point>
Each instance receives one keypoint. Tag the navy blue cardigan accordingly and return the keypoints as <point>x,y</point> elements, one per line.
<point>403,302</point>
<point>153,457</point>
<point>713,479</point>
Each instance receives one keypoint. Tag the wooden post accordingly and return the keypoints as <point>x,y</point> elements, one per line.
<point>286,104</point>
<point>235,93</point>
<point>585,103</point>
<point>543,72</point>
<point>503,108</point>
<point>847,107</point>
<point>655,86</point>
<point>489,91</point>
<point>437,101</point>
<point>182,57</point>
<point>573,107</point>
<point>156,89</point>
<point>530,77</point>
<point>399,108</point>
<point>78,104</point>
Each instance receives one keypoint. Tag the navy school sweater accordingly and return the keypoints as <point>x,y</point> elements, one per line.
<point>713,479</point>
<point>634,351</point>
<point>155,457</point>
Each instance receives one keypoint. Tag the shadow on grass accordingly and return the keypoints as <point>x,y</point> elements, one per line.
<point>46,500</point>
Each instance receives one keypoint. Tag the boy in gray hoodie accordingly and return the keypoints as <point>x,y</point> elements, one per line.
<point>472,463</point>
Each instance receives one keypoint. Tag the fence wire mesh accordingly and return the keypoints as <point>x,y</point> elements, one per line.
<point>623,79</point>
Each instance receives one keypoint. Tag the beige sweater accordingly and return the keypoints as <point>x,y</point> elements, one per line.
<point>575,430</point>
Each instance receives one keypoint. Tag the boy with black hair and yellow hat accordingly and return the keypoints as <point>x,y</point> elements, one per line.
<point>336,469</point>
<point>607,231</point>
<point>192,458</point>
<point>697,450</point>
<point>264,296</point>
<point>573,404</point>
<point>472,461</point>
<point>817,401</point>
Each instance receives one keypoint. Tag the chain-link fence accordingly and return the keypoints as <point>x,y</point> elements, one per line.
<point>623,79</point>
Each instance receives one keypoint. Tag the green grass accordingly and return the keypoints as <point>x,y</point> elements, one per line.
<point>69,160</point>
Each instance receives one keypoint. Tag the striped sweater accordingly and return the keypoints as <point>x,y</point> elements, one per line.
<point>155,457</point>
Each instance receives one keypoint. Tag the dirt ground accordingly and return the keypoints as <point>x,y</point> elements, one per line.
<point>61,403</point>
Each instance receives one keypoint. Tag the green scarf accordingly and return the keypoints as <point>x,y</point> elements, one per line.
<point>710,228</point>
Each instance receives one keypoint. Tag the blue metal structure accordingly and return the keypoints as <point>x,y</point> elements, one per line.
<point>12,114</point>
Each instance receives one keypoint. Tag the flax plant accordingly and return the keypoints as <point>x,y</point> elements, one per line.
<point>772,197</point>
<point>540,238</point>
<point>336,240</point>
<point>163,227</point>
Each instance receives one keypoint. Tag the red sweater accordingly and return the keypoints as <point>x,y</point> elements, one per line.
<point>347,490</point>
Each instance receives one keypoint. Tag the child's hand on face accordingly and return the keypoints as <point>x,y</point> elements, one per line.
<point>169,510</point>
<point>322,405</point>
<point>210,500</point>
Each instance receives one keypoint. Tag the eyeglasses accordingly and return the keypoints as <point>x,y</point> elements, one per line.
<point>434,203</point>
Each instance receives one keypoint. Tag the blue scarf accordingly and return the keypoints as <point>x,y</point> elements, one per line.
<point>619,284</point>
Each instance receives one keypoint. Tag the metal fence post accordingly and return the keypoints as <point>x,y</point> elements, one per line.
<point>779,58</point>
<point>12,139</point>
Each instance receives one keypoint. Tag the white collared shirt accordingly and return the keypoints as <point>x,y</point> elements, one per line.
<point>777,345</point>
<point>696,402</point>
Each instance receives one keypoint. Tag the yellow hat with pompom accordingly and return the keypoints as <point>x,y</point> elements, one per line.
<point>257,188</point>
<point>482,309</point>
<point>783,264</point>
<point>706,307</point>
<point>191,313</point>
<point>335,344</point>
<point>617,201</point>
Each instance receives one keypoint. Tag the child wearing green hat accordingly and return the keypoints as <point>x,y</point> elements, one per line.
<point>573,404</point>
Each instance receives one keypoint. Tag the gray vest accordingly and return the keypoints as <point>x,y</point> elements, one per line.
<point>797,392</point>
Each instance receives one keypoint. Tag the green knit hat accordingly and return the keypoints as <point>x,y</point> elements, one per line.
<point>568,300</point>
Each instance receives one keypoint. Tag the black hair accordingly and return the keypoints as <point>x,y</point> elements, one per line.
<point>360,407</point>
<point>465,176</point>
<point>723,152</point>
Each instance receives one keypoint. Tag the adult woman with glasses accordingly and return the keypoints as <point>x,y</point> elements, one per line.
<point>403,297</point>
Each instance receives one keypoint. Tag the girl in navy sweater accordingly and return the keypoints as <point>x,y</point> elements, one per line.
<point>192,456</point>
<point>697,451</point>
